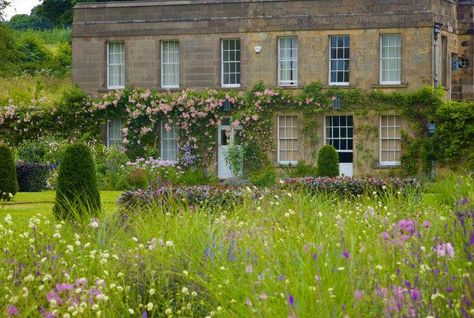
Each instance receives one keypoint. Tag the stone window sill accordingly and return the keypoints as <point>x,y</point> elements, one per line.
<point>385,167</point>
<point>403,85</point>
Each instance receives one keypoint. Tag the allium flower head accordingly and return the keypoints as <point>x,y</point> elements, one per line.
<point>445,249</point>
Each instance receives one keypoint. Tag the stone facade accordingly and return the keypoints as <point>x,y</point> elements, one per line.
<point>200,25</point>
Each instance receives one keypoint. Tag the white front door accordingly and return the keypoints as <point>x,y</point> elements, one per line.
<point>226,137</point>
<point>339,133</point>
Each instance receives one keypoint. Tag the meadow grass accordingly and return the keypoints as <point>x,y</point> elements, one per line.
<point>284,255</point>
<point>21,90</point>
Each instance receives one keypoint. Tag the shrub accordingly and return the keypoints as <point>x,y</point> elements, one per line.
<point>8,181</point>
<point>77,190</point>
<point>110,163</point>
<point>137,178</point>
<point>301,170</point>
<point>42,150</point>
<point>32,151</point>
<point>328,162</point>
<point>155,172</point>
<point>265,178</point>
<point>195,176</point>
<point>33,177</point>
<point>351,186</point>
<point>34,55</point>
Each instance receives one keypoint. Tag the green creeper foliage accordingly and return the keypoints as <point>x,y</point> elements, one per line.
<point>328,162</point>
<point>77,192</point>
<point>8,181</point>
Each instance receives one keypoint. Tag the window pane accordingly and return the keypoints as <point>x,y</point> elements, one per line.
<point>390,139</point>
<point>230,62</point>
<point>287,139</point>
<point>288,61</point>
<point>339,64</point>
<point>116,65</point>
<point>114,132</point>
<point>390,54</point>
<point>170,64</point>
<point>169,142</point>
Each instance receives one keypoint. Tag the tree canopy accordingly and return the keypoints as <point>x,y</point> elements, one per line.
<point>59,12</point>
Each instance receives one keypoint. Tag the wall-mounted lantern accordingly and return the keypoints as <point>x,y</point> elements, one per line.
<point>227,105</point>
<point>336,102</point>
<point>431,128</point>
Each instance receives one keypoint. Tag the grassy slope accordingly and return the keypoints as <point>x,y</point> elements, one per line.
<point>22,89</point>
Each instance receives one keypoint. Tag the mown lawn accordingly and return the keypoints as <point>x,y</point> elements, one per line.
<point>27,204</point>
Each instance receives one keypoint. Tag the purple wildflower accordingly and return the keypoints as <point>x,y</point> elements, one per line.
<point>415,294</point>
<point>445,249</point>
<point>346,254</point>
<point>426,224</point>
<point>358,294</point>
<point>12,311</point>
<point>291,300</point>
<point>407,227</point>
<point>63,287</point>
<point>144,314</point>
<point>53,296</point>
<point>385,235</point>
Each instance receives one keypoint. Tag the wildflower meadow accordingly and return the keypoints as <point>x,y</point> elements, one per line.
<point>285,253</point>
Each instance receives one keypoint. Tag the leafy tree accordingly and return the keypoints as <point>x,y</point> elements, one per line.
<point>34,55</point>
<point>9,54</point>
<point>59,12</point>
<point>8,181</point>
<point>328,162</point>
<point>25,21</point>
<point>77,192</point>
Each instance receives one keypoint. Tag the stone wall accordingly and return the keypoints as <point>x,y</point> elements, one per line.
<point>203,16</point>
<point>200,59</point>
<point>199,25</point>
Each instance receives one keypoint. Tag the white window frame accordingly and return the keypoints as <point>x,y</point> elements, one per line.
<point>108,66</point>
<point>388,163</point>
<point>339,59</point>
<point>223,62</point>
<point>382,82</point>
<point>162,129</point>
<point>286,83</point>
<point>108,139</point>
<point>327,139</point>
<point>169,63</point>
<point>285,162</point>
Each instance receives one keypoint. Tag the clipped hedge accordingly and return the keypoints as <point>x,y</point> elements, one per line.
<point>328,162</point>
<point>77,191</point>
<point>8,181</point>
<point>33,177</point>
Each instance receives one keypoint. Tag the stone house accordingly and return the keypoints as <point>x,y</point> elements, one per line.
<point>234,44</point>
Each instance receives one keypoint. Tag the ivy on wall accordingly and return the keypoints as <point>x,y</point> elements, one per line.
<point>197,114</point>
